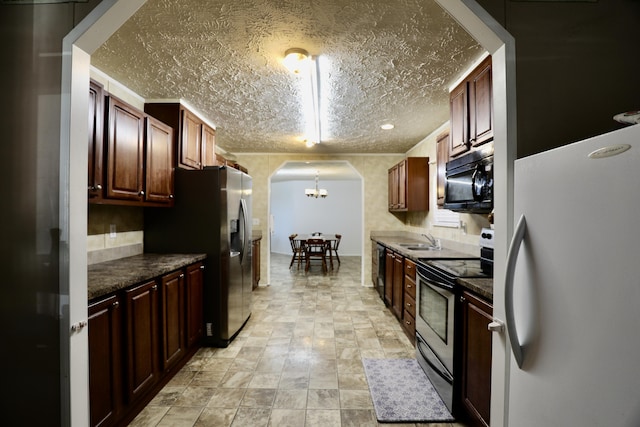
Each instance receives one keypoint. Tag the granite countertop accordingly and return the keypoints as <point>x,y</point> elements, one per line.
<point>392,242</point>
<point>110,276</point>
<point>482,287</point>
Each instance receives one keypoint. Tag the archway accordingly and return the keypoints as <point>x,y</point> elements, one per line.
<point>342,210</point>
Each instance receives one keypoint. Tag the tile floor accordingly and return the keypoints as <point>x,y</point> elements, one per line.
<point>297,362</point>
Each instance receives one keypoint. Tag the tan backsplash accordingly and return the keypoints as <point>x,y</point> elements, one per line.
<point>129,232</point>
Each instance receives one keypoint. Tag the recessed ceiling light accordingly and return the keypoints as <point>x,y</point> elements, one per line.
<point>387,126</point>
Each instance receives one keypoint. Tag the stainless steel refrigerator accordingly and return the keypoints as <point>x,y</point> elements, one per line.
<point>573,286</point>
<point>212,215</point>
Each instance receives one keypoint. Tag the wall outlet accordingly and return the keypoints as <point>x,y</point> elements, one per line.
<point>112,231</point>
<point>256,221</point>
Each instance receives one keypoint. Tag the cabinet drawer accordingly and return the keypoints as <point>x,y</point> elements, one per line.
<point>410,269</point>
<point>409,323</point>
<point>409,287</point>
<point>410,305</point>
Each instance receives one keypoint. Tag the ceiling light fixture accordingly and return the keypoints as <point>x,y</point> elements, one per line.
<point>298,61</point>
<point>316,192</point>
<point>387,126</point>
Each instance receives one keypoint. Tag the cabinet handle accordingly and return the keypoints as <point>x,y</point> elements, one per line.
<point>462,299</point>
<point>98,187</point>
<point>154,288</point>
<point>141,193</point>
<point>408,286</point>
<point>171,196</point>
<point>116,304</point>
<point>202,267</point>
<point>407,322</point>
<point>408,304</point>
<point>182,276</point>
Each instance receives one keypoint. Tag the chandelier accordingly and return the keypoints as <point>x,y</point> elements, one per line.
<point>316,192</point>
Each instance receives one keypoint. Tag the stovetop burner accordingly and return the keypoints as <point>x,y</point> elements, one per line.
<point>459,267</point>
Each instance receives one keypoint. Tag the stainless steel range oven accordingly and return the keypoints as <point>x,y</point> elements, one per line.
<point>435,319</point>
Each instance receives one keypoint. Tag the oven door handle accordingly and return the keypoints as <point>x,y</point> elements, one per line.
<point>512,259</point>
<point>440,370</point>
<point>436,283</point>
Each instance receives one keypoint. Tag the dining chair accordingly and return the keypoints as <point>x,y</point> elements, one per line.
<point>316,249</point>
<point>333,248</point>
<point>297,249</point>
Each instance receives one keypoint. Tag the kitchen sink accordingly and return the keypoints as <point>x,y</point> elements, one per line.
<point>417,246</point>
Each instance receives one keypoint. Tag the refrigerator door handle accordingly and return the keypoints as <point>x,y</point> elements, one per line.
<point>512,259</point>
<point>245,237</point>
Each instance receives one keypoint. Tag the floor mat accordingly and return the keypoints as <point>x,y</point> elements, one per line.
<point>401,392</point>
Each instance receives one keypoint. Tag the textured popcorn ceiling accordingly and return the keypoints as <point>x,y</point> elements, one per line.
<point>381,61</point>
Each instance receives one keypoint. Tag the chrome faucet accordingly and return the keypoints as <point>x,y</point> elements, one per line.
<point>435,243</point>
<point>430,238</point>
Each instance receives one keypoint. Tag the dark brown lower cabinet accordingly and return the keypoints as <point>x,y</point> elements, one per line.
<point>141,339</point>
<point>195,301</point>
<point>475,390</point>
<point>138,339</point>
<point>255,266</point>
<point>173,308</point>
<point>105,385</point>
<point>397,305</point>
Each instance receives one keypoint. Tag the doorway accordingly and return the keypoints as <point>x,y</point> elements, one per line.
<point>105,19</point>
<point>291,211</point>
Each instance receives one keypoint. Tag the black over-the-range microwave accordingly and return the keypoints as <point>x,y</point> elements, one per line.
<point>469,182</point>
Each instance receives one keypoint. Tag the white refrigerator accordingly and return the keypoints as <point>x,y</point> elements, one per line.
<point>572,288</point>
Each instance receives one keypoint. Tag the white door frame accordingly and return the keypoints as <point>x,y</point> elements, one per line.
<point>78,46</point>
<point>501,45</point>
<point>94,30</point>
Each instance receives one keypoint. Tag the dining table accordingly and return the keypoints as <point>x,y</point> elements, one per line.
<point>326,237</point>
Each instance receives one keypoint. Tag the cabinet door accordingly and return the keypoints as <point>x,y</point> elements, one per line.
<point>125,151</point>
<point>374,264</point>
<point>255,259</point>
<point>190,146</point>
<point>141,338</point>
<point>388,277</point>
<point>443,157</point>
<point>402,185</point>
<point>398,285</point>
<point>459,138</point>
<point>476,359</point>
<point>96,141</point>
<point>194,288</point>
<point>393,188</point>
<point>173,344</point>
<point>105,396</point>
<point>159,162</point>
<point>480,104</point>
<point>208,146</point>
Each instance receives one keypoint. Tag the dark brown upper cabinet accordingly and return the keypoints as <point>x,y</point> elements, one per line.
<point>194,139</point>
<point>409,185</point>
<point>96,141</point>
<point>471,110</point>
<point>131,159</point>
